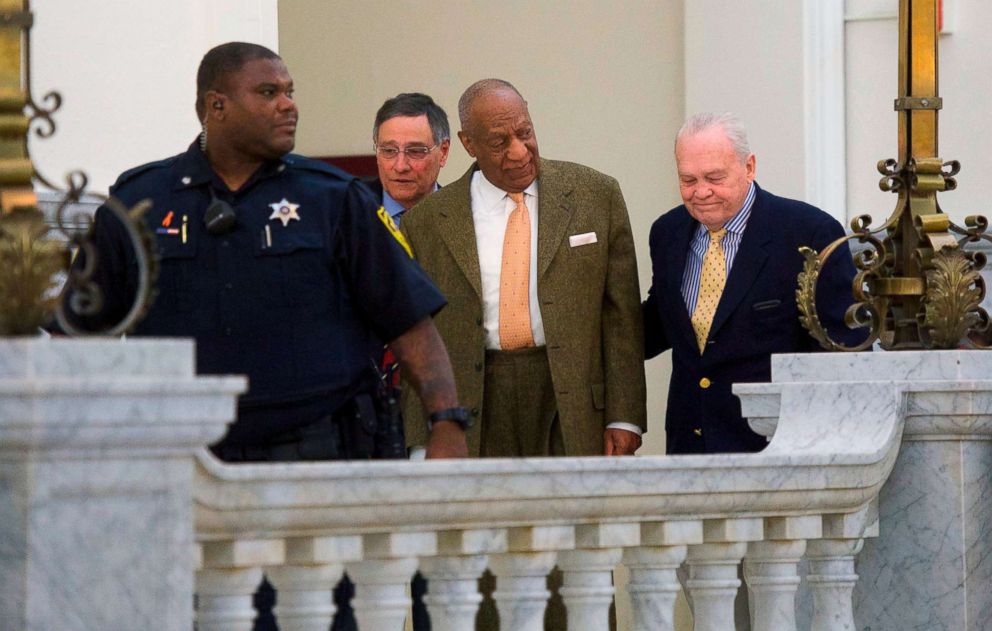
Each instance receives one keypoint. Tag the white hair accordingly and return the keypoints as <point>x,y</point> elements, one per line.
<point>730,123</point>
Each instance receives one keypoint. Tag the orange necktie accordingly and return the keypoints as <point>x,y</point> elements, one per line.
<point>712,278</point>
<point>514,280</point>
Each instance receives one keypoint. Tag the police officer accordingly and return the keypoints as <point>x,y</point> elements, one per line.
<point>281,268</point>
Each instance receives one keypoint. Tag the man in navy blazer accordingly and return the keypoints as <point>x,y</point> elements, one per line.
<point>756,315</point>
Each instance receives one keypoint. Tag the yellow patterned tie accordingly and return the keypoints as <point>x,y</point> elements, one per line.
<point>514,280</point>
<point>712,278</point>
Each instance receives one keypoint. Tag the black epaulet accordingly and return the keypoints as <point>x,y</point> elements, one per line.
<point>130,174</point>
<point>302,162</point>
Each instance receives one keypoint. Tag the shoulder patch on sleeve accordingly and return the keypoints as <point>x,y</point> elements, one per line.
<point>393,229</point>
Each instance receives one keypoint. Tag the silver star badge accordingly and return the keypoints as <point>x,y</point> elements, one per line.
<point>284,211</point>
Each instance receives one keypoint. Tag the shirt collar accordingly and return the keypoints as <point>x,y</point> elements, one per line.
<point>393,207</point>
<point>491,196</point>
<point>738,222</point>
<point>193,169</point>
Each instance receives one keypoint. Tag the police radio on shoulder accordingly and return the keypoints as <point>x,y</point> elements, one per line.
<point>458,415</point>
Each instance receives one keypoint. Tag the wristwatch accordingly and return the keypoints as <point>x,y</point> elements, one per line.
<point>458,415</point>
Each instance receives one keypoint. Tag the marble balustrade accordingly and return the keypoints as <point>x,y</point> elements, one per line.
<point>809,495</point>
<point>97,444</point>
<point>114,513</point>
<point>931,565</point>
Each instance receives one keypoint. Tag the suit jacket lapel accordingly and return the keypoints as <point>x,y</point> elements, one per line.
<point>751,257</point>
<point>457,230</point>
<point>554,213</point>
<point>677,255</point>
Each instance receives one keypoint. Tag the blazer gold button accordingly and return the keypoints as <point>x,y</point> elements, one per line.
<point>697,432</point>
<point>704,383</point>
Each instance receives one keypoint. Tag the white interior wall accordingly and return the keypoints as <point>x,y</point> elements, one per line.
<point>603,83</point>
<point>126,70</point>
<point>747,58</point>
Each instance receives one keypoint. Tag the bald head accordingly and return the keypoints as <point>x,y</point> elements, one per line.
<point>498,133</point>
<point>476,90</point>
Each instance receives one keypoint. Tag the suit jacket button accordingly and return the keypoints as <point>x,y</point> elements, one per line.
<point>475,411</point>
<point>478,321</point>
<point>478,367</point>
<point>704,383</point>
<point>697,432</point>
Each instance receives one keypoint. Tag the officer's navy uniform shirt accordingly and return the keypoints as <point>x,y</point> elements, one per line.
<point>293,305</point>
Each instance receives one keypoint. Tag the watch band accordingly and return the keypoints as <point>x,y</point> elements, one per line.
<point>457,414</point>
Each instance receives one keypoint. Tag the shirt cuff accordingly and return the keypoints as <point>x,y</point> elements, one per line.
<point>630,427</point>
<point>418,453</point>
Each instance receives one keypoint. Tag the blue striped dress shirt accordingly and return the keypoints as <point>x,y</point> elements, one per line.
<point>701,240</point>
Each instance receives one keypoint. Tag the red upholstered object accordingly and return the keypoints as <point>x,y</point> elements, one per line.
<point>362,166</point>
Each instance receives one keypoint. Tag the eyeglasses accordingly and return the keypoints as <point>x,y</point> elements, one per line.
<point>413,154</point>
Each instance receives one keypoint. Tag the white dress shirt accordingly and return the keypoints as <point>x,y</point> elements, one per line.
<point>491,208</point>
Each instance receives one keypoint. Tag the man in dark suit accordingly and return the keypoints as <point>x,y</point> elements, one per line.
<point>722,295</point>
<point>411,137</point>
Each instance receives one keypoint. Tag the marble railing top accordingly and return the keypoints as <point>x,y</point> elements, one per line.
<point>80,358</point>
<point>949,393</point>
<point>834,457</point>
<point>883,366</point>
<point>68,398</point>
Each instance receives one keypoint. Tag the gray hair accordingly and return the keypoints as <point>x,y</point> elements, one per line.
<point>414,104</point>
<point>730,123</point>
<point>477,89</point>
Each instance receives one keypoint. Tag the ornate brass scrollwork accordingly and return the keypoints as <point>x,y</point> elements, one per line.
<point>918,287</point>
<point>34,259</point>
<point>954,292</point>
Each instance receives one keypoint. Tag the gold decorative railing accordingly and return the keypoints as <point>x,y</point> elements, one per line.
<point>34,260</point>
<point>916,286</point>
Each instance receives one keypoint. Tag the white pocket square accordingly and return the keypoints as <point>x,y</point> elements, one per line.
<point>582,239</point>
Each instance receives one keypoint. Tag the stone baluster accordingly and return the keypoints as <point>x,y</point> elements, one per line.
<point>521,575</point>
<point>831,576</point>
<point>771,571</point>
<point>587,585</point>
<point>383,577</point>
<point>224,599</point>
<point>831,579</point>
<point>713,570</point>
<point>231,572</point>
<point>304,600</point>
<point>453,596</point>
<point>654,583</point>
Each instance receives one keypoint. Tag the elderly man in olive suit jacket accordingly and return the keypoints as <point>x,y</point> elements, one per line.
<point>578,387</point>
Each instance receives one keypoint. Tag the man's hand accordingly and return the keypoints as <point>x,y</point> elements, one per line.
<point>447,440</point>
<point>424,361</point>
<point>620,442</point>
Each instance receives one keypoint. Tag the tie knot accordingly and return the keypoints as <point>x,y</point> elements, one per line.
<point>518,198</point>
<point>716,236</point>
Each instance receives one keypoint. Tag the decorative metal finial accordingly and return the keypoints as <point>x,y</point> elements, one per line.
<point>916,286</point>
<point>34,262</point>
